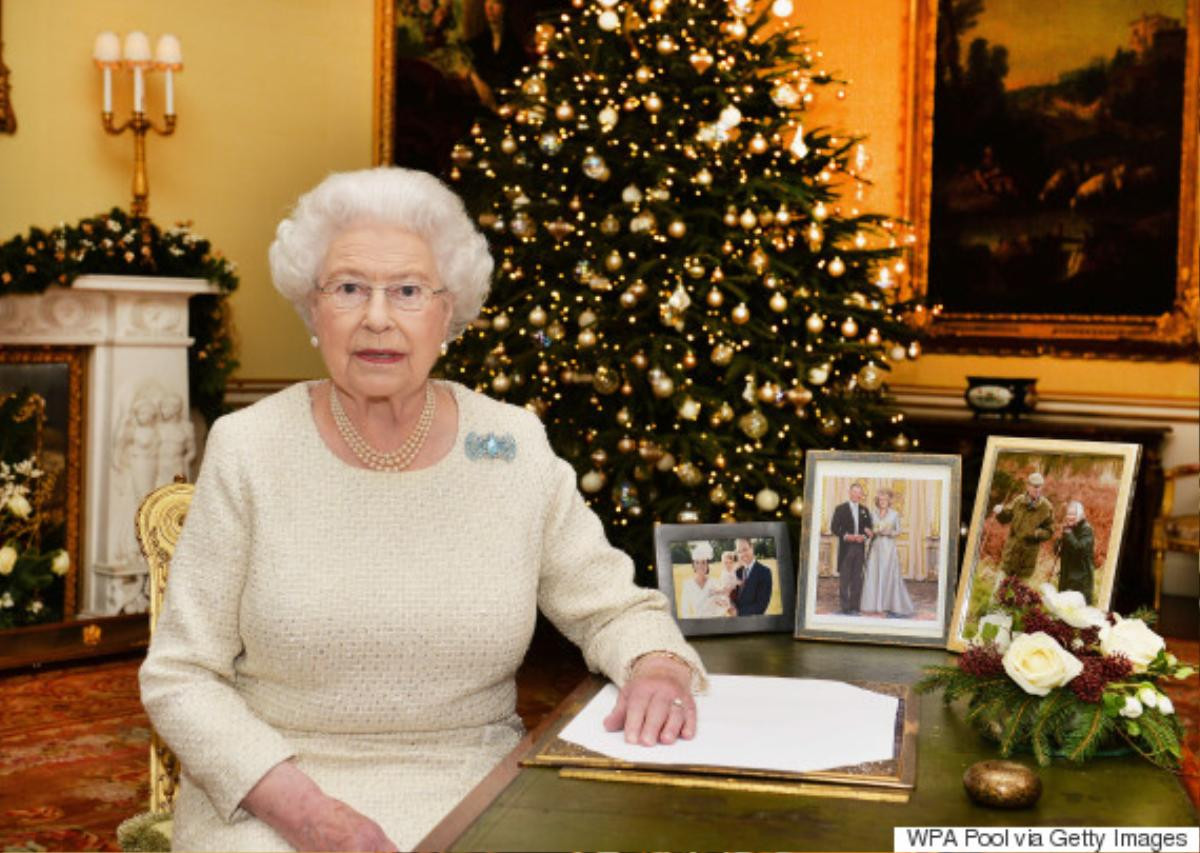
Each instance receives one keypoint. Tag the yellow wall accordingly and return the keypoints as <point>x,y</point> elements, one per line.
<point>278,92</point>
<point>274,94</point>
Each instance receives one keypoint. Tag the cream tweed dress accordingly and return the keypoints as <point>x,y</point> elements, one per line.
<point>369,624</point>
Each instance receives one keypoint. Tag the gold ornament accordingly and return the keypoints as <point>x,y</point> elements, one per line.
<point>613,261</point>
<point>759,260</point>
<point>701,60</point>
<point>658,7</point>
<point>830,424</point>
<point>765,218</point>
<point>717,494</point>
<point>564,112</point>
<point>914,350</point>
<point>796,507</point>
<point>758,144</point>
<point>740,314</point>
<point>689,360</point>
<point>662,386</point>
<point>767,500</point>
<point>501,383</point>
<point>814,235</point>
<point>592,482</point>
<point>814,324</point>
<point>587,339</point>
<point>753,424</point>
<point>628,299</point>
<point>534,87</point>
<point>644,74</point>
<point>722,354</point>
<point>556,331</point>
<point>874,338</point>
<point>778,302</point>
<point>626,445</point>
<point>605,380</point>
<point>837,267</point>
<point>767,392</point>
<point>731,217</point>
<point>897,352</point>
<point>666,46</point>
<point>500,322</point>
<point>688,515</point>
<point>783,216</point>
<point>537,317</point>
<point>599,456</point>
<point>610,225</point>
<point>748,220</point>
<point>870,377</point>
<point>799,396</point>
<point>849,327</point>
<point>735,30</point>
<point>718,275</point>
<point>626,389</point>
<point>677,228</point>
<point>653,103</point>
<point>508,145</point>
<point>665,462</point>
<point>726,412</point>
<point>818,374</point>
<point>689,409</point>
<point>704,178</point>
<point>689,474</point>
<point>639,360</point>
<point>900,442</point>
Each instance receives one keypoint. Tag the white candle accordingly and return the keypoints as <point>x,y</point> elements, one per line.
<point>107,89</point>
<point>138,89</point>
<point>170,92</point>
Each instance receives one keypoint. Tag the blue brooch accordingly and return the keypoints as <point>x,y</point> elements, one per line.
<point>491,446</point>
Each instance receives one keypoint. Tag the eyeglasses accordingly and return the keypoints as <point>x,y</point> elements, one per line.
<point>352,296</point>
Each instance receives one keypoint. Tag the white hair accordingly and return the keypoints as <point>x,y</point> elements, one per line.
<point>405,198</point>
<point>701,551</point>
<point>1077,508</point>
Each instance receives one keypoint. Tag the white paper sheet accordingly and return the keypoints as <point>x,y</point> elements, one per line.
<point>789,724</point>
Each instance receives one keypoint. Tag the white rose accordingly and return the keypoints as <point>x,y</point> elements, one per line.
<point>1039,664</point>
<point>1071,607</point>
<point>1000,634</point>
<point>1148,696</point>
<point>1132,709</point>
<point>61,563</point>
<point>19,506</point>
<point>1133,639</point>
<point>1165,705</point>
<point>8,559</point>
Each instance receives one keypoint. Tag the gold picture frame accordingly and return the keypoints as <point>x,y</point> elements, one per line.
<point>8,121</point>
<point>67,420</point>
<point>1170,334</point>
<point>1100,475</point>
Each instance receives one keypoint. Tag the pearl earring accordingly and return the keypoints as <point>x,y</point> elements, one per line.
<point>445,348</point>
<point>313,340</point>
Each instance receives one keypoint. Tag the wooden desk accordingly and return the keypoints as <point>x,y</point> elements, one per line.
<point>533,809</point>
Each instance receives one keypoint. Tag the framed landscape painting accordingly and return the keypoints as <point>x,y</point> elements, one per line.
<point>1055,175</point>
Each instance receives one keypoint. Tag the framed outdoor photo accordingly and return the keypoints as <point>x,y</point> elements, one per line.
<point>1047,511</point>
<point>878,547</point>
<point>726,578</point>
<point>1054,175</point>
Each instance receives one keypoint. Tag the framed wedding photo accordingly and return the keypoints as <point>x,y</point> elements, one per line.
<point>1047,511</point>
<point>731,578</point>
<point>878,547</point>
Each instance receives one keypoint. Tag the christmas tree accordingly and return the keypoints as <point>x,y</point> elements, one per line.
<point>682,294</point>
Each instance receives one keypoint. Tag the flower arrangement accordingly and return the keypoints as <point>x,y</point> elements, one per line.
<point>30,585</point>
<point>116,243</point>
<point>1048,672</point>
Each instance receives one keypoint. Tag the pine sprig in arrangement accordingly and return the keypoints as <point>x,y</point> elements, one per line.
<point>116,243</point>
<point>1050,674</point>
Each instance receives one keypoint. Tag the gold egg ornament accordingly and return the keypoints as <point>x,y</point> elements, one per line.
<point>740,314</point>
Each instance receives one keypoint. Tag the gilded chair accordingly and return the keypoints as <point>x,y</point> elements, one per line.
<point>1173,531</point>
<point>159,522</point>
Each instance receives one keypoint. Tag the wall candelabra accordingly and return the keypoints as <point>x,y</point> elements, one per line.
<point>134,57</point>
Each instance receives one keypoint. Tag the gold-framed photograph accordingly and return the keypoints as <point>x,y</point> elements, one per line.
<point>1054,170</point>
<point>1047,511</point>
<point>878,547</point>
<point>732,578</point>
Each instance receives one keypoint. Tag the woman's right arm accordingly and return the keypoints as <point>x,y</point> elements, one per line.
<point>236,758</point>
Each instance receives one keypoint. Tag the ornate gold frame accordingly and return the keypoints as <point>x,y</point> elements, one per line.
<point>382,119</point>
<point>74,358</point>
<point>1172,335</point>
<point>8,121</point>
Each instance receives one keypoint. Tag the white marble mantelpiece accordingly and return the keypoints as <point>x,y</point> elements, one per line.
<point>136,328</point>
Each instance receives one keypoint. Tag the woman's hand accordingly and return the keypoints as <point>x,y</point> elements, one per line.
<point>655,705</point>
<point>291,803</point>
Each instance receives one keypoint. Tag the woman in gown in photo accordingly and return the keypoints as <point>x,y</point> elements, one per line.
<point>701,599</point>
<point>884,592</point>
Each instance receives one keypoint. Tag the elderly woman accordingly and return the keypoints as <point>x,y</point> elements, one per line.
<point>364,557</point>
<point>1076,548</point>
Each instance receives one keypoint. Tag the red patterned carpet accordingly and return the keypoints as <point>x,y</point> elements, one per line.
<point>74,741</point>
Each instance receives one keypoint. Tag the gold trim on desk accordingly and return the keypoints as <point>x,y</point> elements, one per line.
<point>892,780</point>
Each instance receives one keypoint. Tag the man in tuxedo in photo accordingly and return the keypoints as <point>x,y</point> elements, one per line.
<point>851,524</point>
<point>754,593</point>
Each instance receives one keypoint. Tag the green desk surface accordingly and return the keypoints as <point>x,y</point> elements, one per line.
<point>537,810</point>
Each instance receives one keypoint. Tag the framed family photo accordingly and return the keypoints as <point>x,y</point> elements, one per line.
<point>1047,511</point>
<point>726,578</point>
<point>879,547</point>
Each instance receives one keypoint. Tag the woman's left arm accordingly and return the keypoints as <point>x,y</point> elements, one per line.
<point>586,589</point>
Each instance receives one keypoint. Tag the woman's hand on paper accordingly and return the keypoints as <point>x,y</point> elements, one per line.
<point>656,704</point>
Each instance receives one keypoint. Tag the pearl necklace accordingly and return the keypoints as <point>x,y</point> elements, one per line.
<point>398,459</point>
